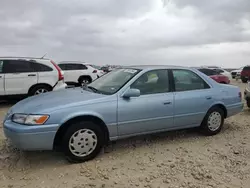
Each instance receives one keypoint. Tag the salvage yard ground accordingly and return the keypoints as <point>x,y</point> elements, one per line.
<point>180,159</point>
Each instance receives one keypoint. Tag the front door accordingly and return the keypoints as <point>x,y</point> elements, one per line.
<point>150,112</point>
<point>19,76</point>
<point>193,97</point>
<point>2,92</point>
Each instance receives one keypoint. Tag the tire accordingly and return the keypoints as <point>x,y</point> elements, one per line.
<point>92,139</point>
<point>84,80</point>
<point>207,127</point>
<point>244,80</point>
<point>39,89</point>
<point>248,103</point>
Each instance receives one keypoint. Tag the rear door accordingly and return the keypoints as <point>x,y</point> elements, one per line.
<point>193,97</point>
<point>20,75</point>
<point>2,92</point>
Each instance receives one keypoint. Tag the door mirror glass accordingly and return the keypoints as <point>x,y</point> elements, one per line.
<point>132,93</point>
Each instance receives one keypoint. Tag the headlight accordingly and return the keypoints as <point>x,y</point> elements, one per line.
<point>30,119</point>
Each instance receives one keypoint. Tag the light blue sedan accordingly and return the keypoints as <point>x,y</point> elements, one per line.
<point>123,103</point>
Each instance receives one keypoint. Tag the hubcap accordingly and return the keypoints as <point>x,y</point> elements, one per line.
<point>214,121</point>
<point>83,142</point>
<point>85,82</point>
<point>39,91</point>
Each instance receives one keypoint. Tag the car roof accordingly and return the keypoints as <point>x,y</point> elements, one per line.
<point>25,58</point>
<point>75,62</point>
<point>148,67</point>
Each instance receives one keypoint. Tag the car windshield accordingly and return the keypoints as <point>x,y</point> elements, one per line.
<point>113,81</point>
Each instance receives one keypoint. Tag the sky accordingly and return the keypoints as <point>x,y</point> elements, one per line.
<point>128,32</point>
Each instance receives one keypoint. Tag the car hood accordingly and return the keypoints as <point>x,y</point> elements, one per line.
<point>55,100</point>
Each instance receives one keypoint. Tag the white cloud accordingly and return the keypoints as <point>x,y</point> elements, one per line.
<point>190,32</point>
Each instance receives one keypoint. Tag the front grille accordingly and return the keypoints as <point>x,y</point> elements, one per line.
<point>233,73</point>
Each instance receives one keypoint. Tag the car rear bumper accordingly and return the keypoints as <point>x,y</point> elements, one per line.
<point>234,109</point>
<point>30,138</point>
<point>60,85</point>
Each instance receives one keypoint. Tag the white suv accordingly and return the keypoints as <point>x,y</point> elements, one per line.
<point>76,72</point>
<point>29,76</point>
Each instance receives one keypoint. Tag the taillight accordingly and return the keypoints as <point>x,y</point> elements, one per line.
<point>60,75</point>
<point>94,71</point>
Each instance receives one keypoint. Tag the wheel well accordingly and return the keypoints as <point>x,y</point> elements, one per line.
<point>85,76</point>
<point>221,106</point>
<point>63,128</point>
<point>40,84</point>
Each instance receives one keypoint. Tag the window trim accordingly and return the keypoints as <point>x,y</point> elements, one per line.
<point>169,82</point>
<point>173,82</point>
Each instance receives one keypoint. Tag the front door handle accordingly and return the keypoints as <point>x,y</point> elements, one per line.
<point>167,102</point>
<point>31,75</point>
<point>0,76</point>
<point>208,97</point>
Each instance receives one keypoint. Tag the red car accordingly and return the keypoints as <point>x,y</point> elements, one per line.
<point>215,76</point>
<point>245,74</point>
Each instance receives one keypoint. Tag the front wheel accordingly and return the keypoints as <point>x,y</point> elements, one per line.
<point>83,141</point>
<point>213,121</point>
<point>84,81</point>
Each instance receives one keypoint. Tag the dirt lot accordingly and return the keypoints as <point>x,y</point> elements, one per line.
<point>182,159</point>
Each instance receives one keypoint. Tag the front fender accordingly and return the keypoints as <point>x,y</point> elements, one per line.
<point>78,114</point>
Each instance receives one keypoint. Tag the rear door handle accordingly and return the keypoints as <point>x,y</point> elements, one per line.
<point>0,76</point>
<point>208,97</point>
<point>167,102</point>
<point>31,75</point>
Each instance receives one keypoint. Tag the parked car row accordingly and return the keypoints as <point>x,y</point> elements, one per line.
<point>243,73</point>
<point>29,76</point>
<point>79,73</point>
<point>123,103</point>
<point>21,76</point>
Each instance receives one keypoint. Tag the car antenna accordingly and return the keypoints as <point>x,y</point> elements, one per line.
<point>43,56</point>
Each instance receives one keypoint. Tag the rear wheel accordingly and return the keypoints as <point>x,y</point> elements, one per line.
<point>39,90</point>
<point>83,141</point>
<point>213,121</point>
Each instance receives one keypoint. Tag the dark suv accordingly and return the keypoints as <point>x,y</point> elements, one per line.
<point>245,74</point>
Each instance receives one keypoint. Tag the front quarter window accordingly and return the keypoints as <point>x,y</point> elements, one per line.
<point>112,82</point>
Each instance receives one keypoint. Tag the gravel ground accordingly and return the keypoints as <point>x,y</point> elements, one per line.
<point>180,159</point>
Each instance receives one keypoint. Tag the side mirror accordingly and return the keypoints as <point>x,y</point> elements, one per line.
<point>132,93</point>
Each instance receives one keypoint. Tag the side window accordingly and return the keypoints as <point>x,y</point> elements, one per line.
<point>152,82</point>
<point>72,66</point>
<point>186,80</point>
<point>81,67</point>
<point>62,66</point>
<point>18,66</point>
<point>1,66</point>
<point>41,68</point>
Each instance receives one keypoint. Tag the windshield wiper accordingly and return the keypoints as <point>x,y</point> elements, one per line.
<point>93,89</point>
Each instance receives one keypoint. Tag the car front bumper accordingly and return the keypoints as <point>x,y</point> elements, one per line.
<point>30,138</point>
